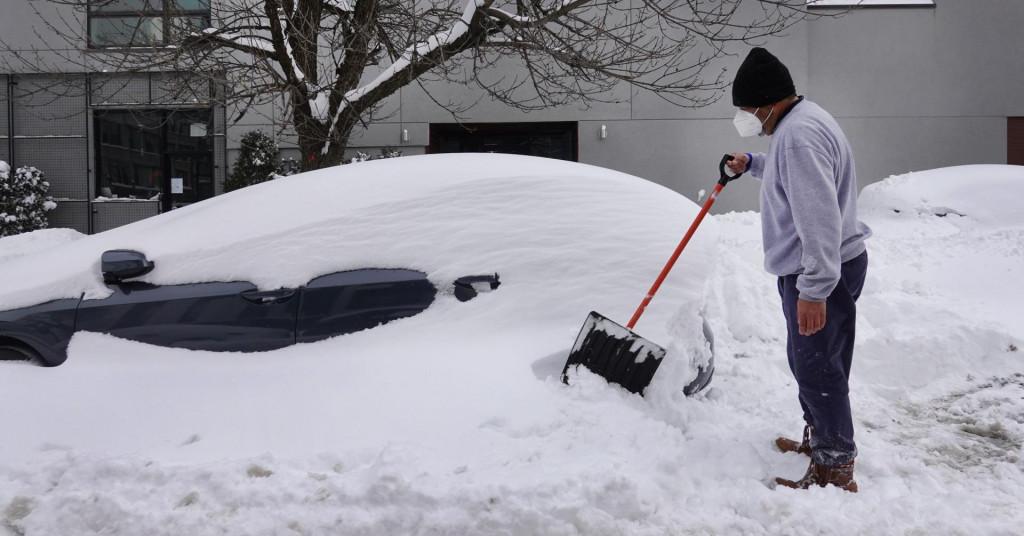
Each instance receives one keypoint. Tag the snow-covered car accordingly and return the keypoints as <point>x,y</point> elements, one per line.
<point>341,250</point>
<point>222,316</point>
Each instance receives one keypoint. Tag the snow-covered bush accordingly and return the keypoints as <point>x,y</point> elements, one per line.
<point>385,152</point>
<point>257,162</point>
<point>23,200</point>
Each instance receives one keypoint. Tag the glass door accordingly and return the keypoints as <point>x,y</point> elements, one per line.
<point>155,154</point>
<point>189,157</point>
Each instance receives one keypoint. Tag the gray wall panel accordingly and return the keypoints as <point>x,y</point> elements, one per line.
<point>180,88</point>
<point>960,58</point>
<point>23,24</point>
<point>419,135</point>
<point>887,146</point>
<point>109,215</point>
<point>64,161</point>
<point>73,214</point>
<point>232,157</point>
<point>257,114</point>
<point>220,164</point>
<point>680,154</point>
<point>220,120</point>
<point>4,109</point>
<point>377,135</point>
<point>418,107</point>
<point>50,106</point>
<point>220,155</point>
<point>26,27</point>
<point>120,90</point>
<point>791,48</point>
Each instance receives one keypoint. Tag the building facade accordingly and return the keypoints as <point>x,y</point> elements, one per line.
<point>914,87</point>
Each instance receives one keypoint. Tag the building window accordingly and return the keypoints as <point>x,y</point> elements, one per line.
<point>870,3</point>
<point>144,23</point>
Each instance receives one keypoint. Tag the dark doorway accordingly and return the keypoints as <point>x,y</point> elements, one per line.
<point>147,153</point>
<point>551,140</point>
<point>1015,141</point>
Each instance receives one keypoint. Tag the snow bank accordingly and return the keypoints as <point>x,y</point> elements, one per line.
<point>976,212</point>
<point>989,194</point>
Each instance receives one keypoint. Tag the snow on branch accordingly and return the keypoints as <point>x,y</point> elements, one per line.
<point>339,5</point>
<point>499,13</point>
<point>287,28</point>
<point>238,41</point>
<point>423,48</point>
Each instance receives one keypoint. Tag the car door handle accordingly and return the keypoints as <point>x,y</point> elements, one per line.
<point>269,296</point>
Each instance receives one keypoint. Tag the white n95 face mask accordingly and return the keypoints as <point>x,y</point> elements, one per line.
<point>747,124</point>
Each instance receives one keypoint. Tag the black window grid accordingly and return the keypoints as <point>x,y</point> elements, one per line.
<point>166,13</point>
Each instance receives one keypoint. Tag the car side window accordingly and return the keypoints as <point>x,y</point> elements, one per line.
<point>350,301</point>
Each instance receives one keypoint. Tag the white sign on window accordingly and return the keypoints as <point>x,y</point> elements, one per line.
<point>177,185</point>
<point>197,130</point>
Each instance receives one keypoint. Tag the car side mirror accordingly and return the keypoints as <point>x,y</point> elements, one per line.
<point>120,264</point>
<point>467,287</point>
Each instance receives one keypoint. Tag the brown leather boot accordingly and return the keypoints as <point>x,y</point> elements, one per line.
<point>786,444</point>
<point>840,476</point>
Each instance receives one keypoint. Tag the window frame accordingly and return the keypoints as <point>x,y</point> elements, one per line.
<point>166,13</point>
<point>856,4</point>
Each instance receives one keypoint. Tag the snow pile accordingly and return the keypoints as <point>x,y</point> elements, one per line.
<point>985,193</point>
<point>974,213</point>
<point>453,421</point>
<point>35,241</point>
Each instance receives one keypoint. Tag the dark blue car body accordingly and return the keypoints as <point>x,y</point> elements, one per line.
<point>231,316</point>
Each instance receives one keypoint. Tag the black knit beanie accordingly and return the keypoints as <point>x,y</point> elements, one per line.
<point>762,79</point>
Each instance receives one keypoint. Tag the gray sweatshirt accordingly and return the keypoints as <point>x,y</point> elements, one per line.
<point>809,201</point>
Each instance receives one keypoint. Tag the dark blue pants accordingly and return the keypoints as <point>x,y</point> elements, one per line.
<point>821,363</point>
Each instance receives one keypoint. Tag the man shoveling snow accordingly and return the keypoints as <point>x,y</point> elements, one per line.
<point>815,244</point>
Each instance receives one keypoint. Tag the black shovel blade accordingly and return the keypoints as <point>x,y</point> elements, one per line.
<point>615,353</point>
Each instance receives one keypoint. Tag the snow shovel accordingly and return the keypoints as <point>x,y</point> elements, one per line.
<point>617,353</point>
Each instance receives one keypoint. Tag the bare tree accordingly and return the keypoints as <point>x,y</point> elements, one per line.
<point>335,61</point>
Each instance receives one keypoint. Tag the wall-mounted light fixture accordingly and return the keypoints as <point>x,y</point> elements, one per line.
<point>405,135</point>
<point>604,131</point>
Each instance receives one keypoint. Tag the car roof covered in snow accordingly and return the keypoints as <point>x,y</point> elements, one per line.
<point>448,215</point>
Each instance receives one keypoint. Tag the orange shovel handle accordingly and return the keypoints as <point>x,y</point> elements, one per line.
<point>723,180</point>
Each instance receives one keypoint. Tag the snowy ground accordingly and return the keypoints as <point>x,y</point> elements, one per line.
<point>481,439</point>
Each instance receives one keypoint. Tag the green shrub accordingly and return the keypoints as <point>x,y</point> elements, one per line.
<point>257,162</point>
